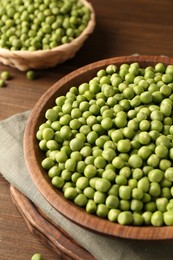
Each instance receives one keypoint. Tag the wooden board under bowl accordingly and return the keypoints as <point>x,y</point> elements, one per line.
<point>34,156</point>
<point>47,231</point>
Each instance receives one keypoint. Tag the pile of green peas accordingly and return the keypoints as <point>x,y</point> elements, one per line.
<point>41,24</point>
<point>108,144</point>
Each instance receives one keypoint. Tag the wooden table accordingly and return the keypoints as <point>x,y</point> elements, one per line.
<point>123,28</point>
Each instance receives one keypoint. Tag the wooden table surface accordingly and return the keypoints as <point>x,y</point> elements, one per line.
<point>122,28</point>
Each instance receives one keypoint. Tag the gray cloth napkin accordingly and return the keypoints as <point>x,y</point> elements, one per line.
<point>13,168</point>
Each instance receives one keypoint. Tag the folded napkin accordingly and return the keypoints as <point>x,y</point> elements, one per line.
<point>13,168</point>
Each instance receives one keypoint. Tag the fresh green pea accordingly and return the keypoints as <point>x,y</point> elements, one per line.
<point>5,75</point>
<point>82,182</point>
<point>118,162</point>
<point>144,184</point>
<point>91,206</point>
<point>80,200</point>
<point>124,205</point>
<point>66,175</point>
<point>125,192</point>
<point>37,256</point>
<point>135,161</point>
<point>155,175</point>
<point>168,218</point>
<point>114,190</point>
<point>124,145</point>
<point>147,217</point>
<point>169,174</point>
<point>132,183</point>
<point>153,160</point>
<point>161,204</point>
<point>137,219</point>
<point>102,185</point>
<point>70,193</point>
<point>58,182</point>
<point>112,202</point>
<point>109,174</point>
<point>144,152</point>
<point>54,171</point>
<point>154,189</point>
<point>120,180</point>
<point>157,219</point>
<point>31,75</point>
<point>102,210</point>
<point>113,214</point>
<point>99,197</point>
<point>125,218</point>
<point>47,163</point>
<point>150,206</point>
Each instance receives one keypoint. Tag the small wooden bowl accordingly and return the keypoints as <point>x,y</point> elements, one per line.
<point>42,59</point>
<point>33,155</point>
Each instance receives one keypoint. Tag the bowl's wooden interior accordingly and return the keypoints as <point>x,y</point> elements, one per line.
<point>33,155</point>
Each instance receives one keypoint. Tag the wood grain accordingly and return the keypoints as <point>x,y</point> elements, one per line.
<point>34,156</point>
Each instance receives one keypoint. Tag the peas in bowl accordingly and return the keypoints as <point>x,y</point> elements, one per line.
<point>98,145</point>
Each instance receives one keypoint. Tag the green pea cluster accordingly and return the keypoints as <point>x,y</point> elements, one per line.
<point>108,144</point>
<point>41,24</point>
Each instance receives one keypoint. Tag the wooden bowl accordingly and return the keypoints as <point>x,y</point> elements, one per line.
<point>42,59</point>
<point>33,156</point>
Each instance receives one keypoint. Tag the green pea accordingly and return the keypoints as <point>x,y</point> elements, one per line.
<point>153,160</point>
<point>99,197</point>
<point>102,210</point>
<point>168,218</point>
<point>5,75</point>
<point>137,219</point>
<point>167,78</point>
<point>31,75</point>
<point>144,184</point>
<point>82,182</point>
<point>137,193</point>
<point>47,163</point>
<point>169,174</point>
<point>125,218</point>
<point>135,161</point>
<point>70,193</point>
<point>109,174</point>
<point>58,182</point>
<point>37,256</point>
<point>124,145</point>
<point>147,217</point>
<point>113,214</point>
<point>118,162</point>
<point>102,185</point>
<point>91,207</point>
<point>114,190</point>
<point>157,219</point>
<point>155,175</point>
<point>54,171</point>
<point>125,192</point>
<point>154,189</point>
<point>161,204</point>
<point>116,135</point>
<point>121,180</point>
<point>80,200</point>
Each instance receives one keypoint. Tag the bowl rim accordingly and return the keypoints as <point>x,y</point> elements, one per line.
<point>52,195</point>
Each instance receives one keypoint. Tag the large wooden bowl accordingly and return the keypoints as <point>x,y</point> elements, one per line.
<point>33,155</point>
<point>42,59</point>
